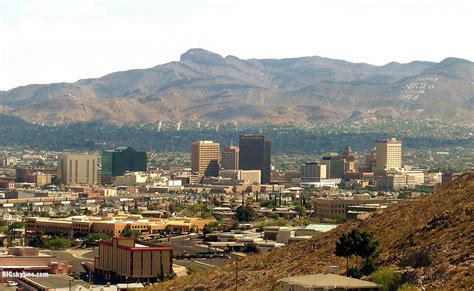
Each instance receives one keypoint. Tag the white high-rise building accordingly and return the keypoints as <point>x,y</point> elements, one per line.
<point>388,155</point>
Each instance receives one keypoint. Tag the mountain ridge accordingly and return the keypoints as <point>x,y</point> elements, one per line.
<point>277,90</point>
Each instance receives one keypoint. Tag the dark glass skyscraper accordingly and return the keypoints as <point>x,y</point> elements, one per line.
<point>255,154</point>
<point>122,159</point>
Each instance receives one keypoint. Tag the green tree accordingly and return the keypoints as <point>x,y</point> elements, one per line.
<point>345,248</point>
<point>362,244</point>
<point>57,243</point>
<point>16,225</point>
<point>95,237</point>
<point>11,229</point>
<point>301,210</point>
<point>36,242</point>
<point>267,203</point>
<point>366,248</point>
<point>131,233</point>
<point>245,213</point>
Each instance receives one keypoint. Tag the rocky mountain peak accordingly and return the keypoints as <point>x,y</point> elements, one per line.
<point>203,57</point>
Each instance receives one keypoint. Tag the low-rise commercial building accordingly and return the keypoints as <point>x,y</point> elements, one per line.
<point>396,182</point>
<point>130,179</point>
<point>79,226</point>
<point>123,259</point>
<point>337,208</point>
<point>249,176</point>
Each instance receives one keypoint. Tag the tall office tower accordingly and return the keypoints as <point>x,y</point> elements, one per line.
<point>335,166</point>
<point>255,154</point>
<point>205,158</point>
<point>312,172</point>
<point>77,169</point>
<point>369,162</point>
<point>351,160</point>
<point>230,158</point>
<point>122,159</point>
<point>388,155</point>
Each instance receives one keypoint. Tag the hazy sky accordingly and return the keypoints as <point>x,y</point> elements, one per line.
<point>53,41</point>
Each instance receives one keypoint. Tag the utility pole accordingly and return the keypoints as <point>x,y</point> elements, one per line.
<point>279,202</point>
<point>236,272</point>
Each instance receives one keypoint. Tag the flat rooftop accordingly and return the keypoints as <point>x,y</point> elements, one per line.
<point>328,281</point>
<point>56,281</point>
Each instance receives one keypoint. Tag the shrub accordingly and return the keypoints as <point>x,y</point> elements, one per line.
<point>218,217</point>
<point>191,268</point>
<point>388,278</point>
<point>329,220</point>
<point>274,216</point>
<point>407,287</point>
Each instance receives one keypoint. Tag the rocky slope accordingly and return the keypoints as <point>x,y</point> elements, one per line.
<point>206,86</point>
<point>429,239</point>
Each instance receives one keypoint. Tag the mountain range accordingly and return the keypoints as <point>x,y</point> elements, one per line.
<point>204,86</point>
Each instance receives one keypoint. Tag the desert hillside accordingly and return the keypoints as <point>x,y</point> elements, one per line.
<point>429,239</point>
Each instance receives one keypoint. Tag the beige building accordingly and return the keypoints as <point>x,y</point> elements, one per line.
<point>230,158</point>
<point>388,155</point>
<point>396,182</point>
<point>82,225</point>
<point>250,176</point>
<point>418,175</point>
<point>77,169</point>
<point>205,156</point>
<point>123,259</point>
<point>130,179</point>
<point>39,179</point>
<point>333,208</point>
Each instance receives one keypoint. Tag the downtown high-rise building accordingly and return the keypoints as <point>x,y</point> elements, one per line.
<point>388,155</point>
<point>123,159</point>
<point>230,158</point>
<point>335,166</point>
<point>77,169</point>
<point>255,154</point>
<point>205,156</point>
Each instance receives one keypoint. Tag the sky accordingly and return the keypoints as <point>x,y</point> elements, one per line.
<point>65,40</point>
